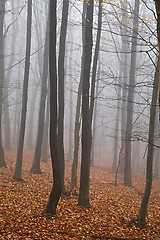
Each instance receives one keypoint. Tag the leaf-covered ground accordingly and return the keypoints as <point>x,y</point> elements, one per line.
<point>113,212</point>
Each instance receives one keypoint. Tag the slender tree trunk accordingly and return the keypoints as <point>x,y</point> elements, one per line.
<point>7,81</point>
<point>131,88</point>
<point>61,86</point>
<point>56,166</point>
<point>2,11</point>
<point>31,117</point>
<point>94,69</point>
<point>45,144</point>
<point>95,116</point>
<point>37,154</point>
<point>148,186</point>
<point>18,168</point>
<point>125,60</point>
<point>78,110</point>
<point>83,199</point>
<point>157,145</point>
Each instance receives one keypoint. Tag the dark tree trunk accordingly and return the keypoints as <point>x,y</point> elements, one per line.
<point>157,145</point>
<point>61,86</point>
<point>94,69</point>
<point>37,154</point>
<point>18,168</point>
<point>2,11</point>
<point>57,183</point>
<point>148,186</point>
<point>83,199</point>
<point>130,99</point>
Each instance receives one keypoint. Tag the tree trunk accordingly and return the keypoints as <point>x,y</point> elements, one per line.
<point>125,60</point>
<point>45,150</point>
<point>37,154</point>
<point>94,69</point>
<point>18,168</point>
<point>157,143</point>
<point>83,199</point>
<point>2,11</point>
<point>61,86</point>
<point>130,99</point>
<point>95,116</point>
<point>7,81</point>
<point>78,109</point>
<point>148,186</point>
<point>57,183</point>
<point>31,118</point>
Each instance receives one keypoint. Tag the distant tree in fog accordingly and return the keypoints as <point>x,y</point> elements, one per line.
<point>18,169</point>
<point>130,98</point>
<point>2,12</point>
<point>37,154</point>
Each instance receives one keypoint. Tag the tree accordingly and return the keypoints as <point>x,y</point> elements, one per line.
<point>18,168</point>
<point>78,110</point>
<point>149,168</point>
<point>37,154</point>
<point>149,177</point>
<point>61,73</point>
<point>83,199</point>
<point>57,182</point>
<point>2,12</point>
<point>94,68</point>
<point>130,99</point>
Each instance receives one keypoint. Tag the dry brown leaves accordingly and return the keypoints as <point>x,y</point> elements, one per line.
<point>113,212</point>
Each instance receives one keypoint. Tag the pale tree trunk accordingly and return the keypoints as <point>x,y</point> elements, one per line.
<point>125,60</point>
<point>83,199</point>
<point>115,146</point>
<point>37,154</point>
<point>61,73</point>
<point>78,110</point>
<point>7,81</point>
<point>2,11</point>
<point>70,140</point>
<point>56,166</point>
<point>95,117</point>
<point>29,141</point>
<point>130,99</point>
<point>18,168</point>
<point>148,186</point>
<point>45,144</point>
<point>94,68</point>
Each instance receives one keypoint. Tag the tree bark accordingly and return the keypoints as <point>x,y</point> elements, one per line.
<point>61,73</point>
<point>18,168</point>
<point>57,182</point>
<point>83,199</point>
<point>148,186</point>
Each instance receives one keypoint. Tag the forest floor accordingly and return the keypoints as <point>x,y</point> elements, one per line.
<point>112,215</point>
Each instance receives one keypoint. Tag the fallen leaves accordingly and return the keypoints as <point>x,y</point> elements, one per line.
<point>112,215</point>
